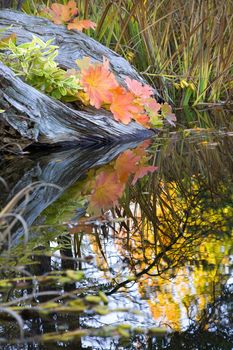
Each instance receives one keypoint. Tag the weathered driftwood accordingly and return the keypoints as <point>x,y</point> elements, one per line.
<point>40,118</point>
<point>43,119</point>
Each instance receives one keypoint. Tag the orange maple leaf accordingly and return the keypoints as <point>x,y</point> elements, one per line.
<point>126,164</point>
<point>107,190</point>
<point>63,13</point>
<point>98,82</point>
<point>139,90</point>
<point>123,106</point>
<point>142,119</point>
<point>81,24</point>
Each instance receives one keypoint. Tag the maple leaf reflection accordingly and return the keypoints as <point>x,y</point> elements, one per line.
<point>107,190</point>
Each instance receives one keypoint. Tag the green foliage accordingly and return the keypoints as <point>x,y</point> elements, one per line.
<point>35,61</point>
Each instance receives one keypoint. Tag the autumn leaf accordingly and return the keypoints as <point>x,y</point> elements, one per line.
<point>83,63</point>
<point>98,82</point>
<point>61,14</point>
<point>107,190</point>
<point>81,24</point>
<point>166,111</point>
<point>139,90</point>
<point>152,106</point>
<point>123,106</point>
<point>156,120</point>
<point>142,171</point>
<point>140,150</point>
<point>142,119</point>
<point>126,164</point>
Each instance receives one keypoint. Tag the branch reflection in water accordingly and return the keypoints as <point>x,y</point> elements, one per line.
<point>162,248</point>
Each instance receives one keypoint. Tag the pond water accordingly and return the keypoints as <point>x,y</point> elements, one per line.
<point>122,246</point>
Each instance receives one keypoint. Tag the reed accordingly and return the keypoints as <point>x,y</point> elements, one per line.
<point>184,48</point>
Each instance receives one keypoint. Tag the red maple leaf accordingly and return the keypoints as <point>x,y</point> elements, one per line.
<point>98,82</point>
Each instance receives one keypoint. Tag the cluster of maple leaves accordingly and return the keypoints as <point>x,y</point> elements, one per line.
<point>109,184</point>
<point>100,88</point>
<point>68,14</point>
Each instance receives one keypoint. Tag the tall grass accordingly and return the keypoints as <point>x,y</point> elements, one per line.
<point>184,48</point>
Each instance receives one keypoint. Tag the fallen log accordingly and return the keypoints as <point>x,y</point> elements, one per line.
<point>43,119</point>
<point>39,118</point>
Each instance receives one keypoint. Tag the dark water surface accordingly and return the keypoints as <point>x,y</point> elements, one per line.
<point>120,255</point>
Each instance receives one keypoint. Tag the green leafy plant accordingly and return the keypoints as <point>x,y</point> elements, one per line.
<point>35,61</point>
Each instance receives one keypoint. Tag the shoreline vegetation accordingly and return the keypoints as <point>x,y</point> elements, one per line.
<point>183,48</point>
